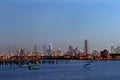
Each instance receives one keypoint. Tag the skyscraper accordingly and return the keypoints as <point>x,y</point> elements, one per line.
<point>50,48</point>
<point>86,47</point>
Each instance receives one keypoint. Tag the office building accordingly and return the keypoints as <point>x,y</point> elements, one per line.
<point>86,47</point>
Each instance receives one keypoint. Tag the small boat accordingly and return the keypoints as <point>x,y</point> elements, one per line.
<point>88,65</point>
<point>34,67</point>
<point>23,65</point>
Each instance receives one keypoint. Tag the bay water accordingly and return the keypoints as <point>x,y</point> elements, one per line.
<point>74,70</point>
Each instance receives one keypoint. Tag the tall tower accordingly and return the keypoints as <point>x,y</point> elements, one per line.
<point>50,47</point>
<point>86,47</point>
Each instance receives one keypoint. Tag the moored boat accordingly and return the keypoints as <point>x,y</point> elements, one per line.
<point>23,65</point>
<point>34,67</point>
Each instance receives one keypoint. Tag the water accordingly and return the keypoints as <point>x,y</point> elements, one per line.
<point>99,70</point>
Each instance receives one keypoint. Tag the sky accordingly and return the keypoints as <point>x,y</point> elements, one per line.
<point>60,22</point>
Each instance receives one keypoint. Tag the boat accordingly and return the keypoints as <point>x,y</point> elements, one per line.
<point>23,65</point>
<point>34,67</point>
<point>88,65</point>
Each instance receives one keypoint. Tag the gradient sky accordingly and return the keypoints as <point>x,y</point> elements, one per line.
<point>62,23</point>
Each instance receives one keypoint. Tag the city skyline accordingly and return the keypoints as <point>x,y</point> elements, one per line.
<point>62,23</point>
<point>49,49</point>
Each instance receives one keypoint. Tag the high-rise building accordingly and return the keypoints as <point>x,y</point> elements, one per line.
<point>112,49</point>
<point>71,50</point>
<point>50,48</point>
<point>86,47</point>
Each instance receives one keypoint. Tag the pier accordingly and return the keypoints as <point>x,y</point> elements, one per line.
<point>4,63</point>
<point>35,59</point>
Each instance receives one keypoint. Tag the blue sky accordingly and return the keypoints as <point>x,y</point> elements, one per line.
<point>63,23</point>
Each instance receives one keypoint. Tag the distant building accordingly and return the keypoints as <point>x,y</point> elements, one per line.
<point>117,49</point>
<point>113,49</point>
<point>70,51</point>
<point>115,52</point>
<point>71,48</point>
<point>86,47</point>
<point>58,51</point>
<point>44,49</point>
<point>50,48</point>
<point>95,53</point>
<point>21,52</point>
<point>104,53</point>
<point>35,50</point>
<point>76,51</point>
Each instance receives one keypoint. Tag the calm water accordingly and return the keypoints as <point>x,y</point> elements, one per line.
<point>103,70</point>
